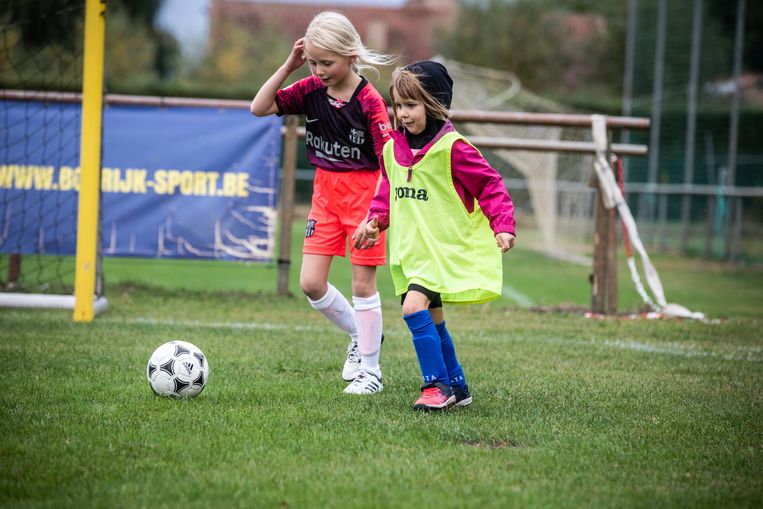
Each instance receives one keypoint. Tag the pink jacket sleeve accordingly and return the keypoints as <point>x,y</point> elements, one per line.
<point>380,202</point>
<point>474,178</point>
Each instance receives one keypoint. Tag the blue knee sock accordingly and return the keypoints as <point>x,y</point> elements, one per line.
<point>426,342</point>
<point>455,373</point>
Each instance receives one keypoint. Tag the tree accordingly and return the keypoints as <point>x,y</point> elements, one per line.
<point>43,40</point>
<point>533,40</point>
<point>241,58</point>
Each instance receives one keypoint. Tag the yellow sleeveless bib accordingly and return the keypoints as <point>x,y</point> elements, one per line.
<point>433,240</point>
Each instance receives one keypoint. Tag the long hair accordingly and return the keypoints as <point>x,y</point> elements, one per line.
<point>333,32</point>
<point>406,85</point>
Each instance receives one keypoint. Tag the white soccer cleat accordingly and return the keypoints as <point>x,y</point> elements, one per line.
<point>351,368</point>
<point>365,383</point>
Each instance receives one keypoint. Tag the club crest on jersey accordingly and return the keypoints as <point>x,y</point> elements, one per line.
<point>357,136</point>
<point>310,228</point>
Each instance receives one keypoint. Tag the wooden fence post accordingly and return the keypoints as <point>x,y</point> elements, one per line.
<point>604,274</point>
<point>286,207</point>
<point>14,269</point>
<point>611,268</point>
<point>598,274</point>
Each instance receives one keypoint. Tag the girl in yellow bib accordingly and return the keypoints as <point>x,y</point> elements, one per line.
<point>446,209</point>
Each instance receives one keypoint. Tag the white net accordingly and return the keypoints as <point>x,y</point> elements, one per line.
<point>42,51</point>
<point>550,189</point>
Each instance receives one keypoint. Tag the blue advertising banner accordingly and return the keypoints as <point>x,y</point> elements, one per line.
<point>177,182</point>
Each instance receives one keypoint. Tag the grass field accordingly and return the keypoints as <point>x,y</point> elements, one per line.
<point>568,411</point>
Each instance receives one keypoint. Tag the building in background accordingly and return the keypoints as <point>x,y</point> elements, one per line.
<point>404,27</point>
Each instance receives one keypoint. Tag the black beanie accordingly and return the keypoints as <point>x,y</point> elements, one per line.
<point>435,79</point>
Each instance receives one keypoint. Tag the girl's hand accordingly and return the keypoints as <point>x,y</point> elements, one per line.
<point>504,241</point>
<point>367,234</point>
<point>296,57</point>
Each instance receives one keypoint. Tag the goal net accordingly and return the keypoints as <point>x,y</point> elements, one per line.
<point>550,189</point>
<point>555,186</point>
<point>42,50</point>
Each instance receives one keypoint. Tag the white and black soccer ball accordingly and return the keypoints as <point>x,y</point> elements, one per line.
<point>178,369</point>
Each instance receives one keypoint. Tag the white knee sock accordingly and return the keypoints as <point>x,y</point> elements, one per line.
<point>335,307</point>
<point>368,320</point>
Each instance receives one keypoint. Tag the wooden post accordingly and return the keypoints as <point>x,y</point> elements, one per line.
<point>14,269</point>
<point>597,275</point>
<point>604,275</point>
<point>611,266</point>
<point>286,207</point>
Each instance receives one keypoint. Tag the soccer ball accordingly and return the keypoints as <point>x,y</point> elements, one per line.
<point>178,369</point>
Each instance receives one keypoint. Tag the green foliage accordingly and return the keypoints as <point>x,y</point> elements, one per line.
<point>716,52</point>
<point>140,11</point>
<point>241,57</point>
<point>42,44</point>
<point>130,53</point>
<point>138,55</point>
<point>54,66</point>
<point>43,22</point>
<point>241,60</point>
<point>533,40</point>
<point>43,41</point>
<point>504,36</point>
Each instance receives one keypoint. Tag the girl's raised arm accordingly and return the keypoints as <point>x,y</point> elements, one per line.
<point>264,103</point>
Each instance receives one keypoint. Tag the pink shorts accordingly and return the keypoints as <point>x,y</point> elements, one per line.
<point>340,203</point>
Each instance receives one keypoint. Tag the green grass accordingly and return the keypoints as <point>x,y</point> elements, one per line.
<point>568,411</point>
<point>530,280</point>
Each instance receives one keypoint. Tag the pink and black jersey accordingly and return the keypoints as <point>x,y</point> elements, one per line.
<point>339,136</point>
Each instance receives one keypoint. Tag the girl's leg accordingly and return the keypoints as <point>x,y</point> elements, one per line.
<point>426,341</point>
<point>368,322</point>
<point>313,279</point>
<point>436,393</point>
<point>455,372</point>
<point>368,317</point>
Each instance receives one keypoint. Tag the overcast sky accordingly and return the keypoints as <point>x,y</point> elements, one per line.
<point>188,21</point>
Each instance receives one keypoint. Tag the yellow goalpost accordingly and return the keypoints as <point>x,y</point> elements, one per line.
<point>85,304</point>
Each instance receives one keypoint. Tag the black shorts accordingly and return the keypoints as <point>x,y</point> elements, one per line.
<point>434,298</point>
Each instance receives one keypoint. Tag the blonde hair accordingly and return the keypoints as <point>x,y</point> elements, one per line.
<point>332,31</point>
<point>406,85</point>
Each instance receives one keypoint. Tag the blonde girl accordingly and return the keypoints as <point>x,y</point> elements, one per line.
<point>347,125</point>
